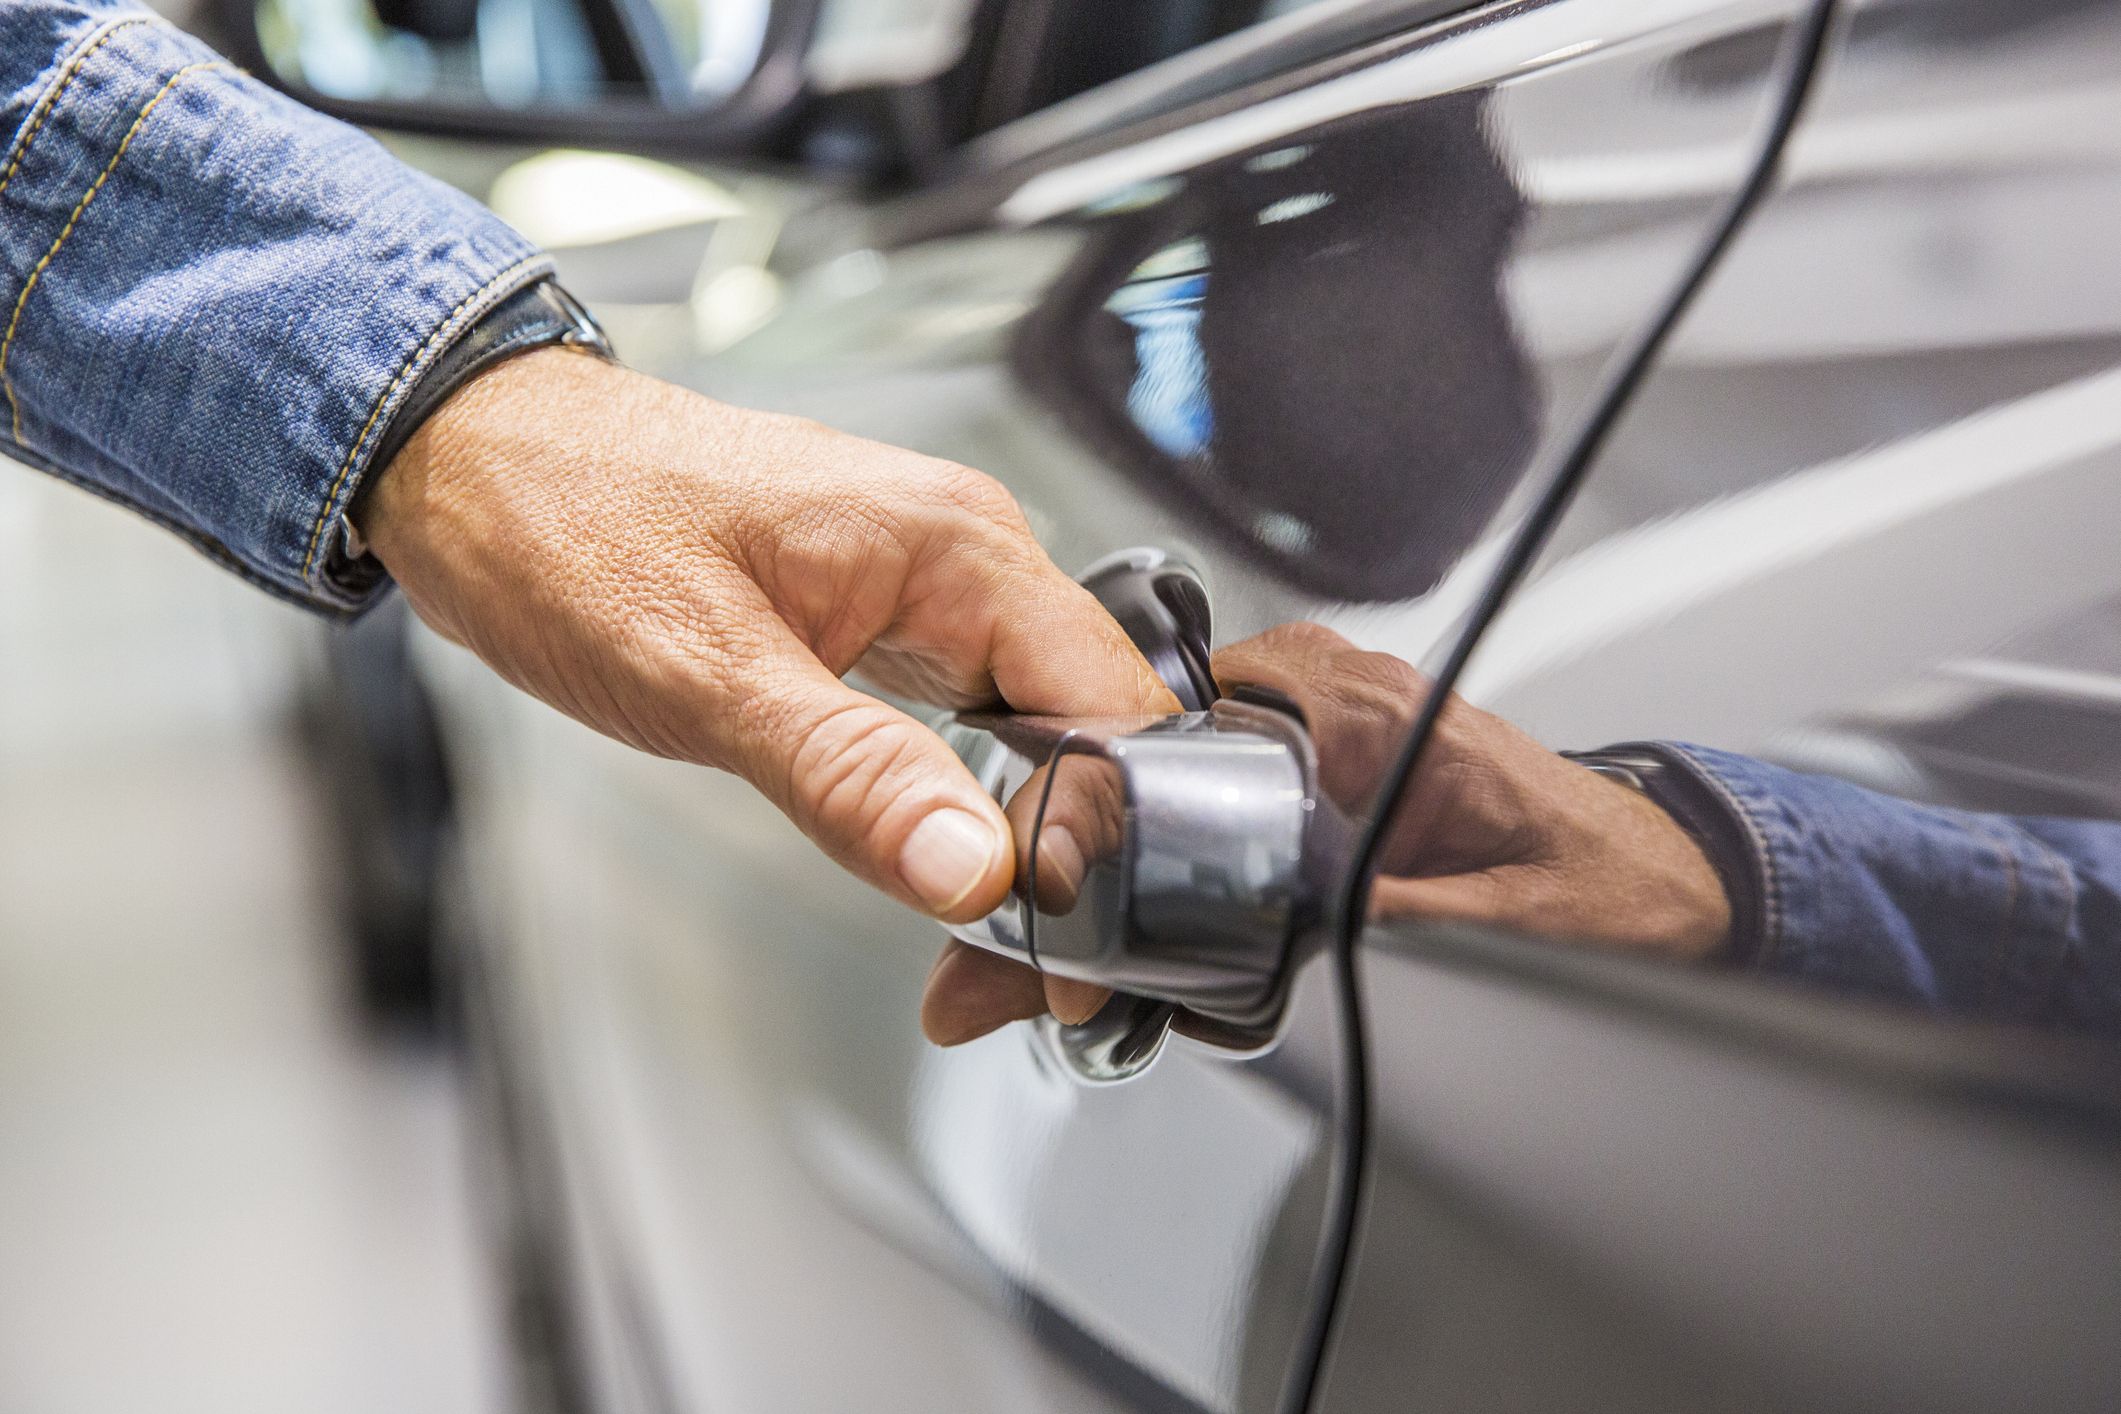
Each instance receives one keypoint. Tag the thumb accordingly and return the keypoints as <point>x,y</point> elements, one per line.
<point>875,789</point>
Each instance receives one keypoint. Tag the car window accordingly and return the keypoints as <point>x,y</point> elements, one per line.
<point>1049,54</point>
<point>1085,46</point>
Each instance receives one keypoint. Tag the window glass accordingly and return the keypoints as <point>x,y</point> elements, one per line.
<point>1087,45</point>
<point>508,52</point>
<point>512,53</point>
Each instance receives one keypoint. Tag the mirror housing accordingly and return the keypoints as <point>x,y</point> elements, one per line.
<point>614,74</point>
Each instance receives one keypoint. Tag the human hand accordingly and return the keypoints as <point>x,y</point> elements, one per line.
<point>693,579</point>
<point>970,991</point>
<point>1495,830</point>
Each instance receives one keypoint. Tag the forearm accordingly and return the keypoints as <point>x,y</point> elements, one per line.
<point>214,300</point>
<point>1976,914</point>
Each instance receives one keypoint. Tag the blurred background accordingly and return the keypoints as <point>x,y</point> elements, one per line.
<point>220,1189</point>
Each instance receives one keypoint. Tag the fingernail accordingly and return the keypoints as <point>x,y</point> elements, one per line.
<point>946,856</point>
<point>962,1030</point>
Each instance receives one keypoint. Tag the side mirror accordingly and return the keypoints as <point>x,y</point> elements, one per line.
<point>680,76</point>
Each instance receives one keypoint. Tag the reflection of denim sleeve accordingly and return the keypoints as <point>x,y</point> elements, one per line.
<point>1169,398</point>
<point>213,299</point>
<point>1983,915</point>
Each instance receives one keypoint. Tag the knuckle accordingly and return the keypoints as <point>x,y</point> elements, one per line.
<point>980,496</point>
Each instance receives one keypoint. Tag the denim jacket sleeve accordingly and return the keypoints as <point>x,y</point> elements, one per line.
<point>2003,917</point>
<point>212,298</point>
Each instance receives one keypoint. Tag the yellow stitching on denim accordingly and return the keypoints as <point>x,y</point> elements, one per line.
<point>449,323</point>
<point>7,341</point>
<point>55,92</point>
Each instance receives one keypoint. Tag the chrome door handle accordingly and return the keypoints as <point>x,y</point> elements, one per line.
<point>1199,850</point>
<point>1181,858</point>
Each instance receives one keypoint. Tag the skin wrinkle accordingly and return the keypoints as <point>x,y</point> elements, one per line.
<point>674,662</point>
<point>924,663</point>
<point>825,565</point>
<point>958,593</point>
<point>825,769</point>
<point>658,636</point>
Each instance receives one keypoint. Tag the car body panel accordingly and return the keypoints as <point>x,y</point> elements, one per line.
<point>1406,270</point>
<point>1858,519</point>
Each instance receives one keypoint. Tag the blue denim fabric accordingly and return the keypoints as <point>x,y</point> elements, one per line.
<point>2000,917</point>
<point>214,299</point>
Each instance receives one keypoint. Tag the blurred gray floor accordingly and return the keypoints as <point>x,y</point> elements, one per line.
<point>214,1196</point>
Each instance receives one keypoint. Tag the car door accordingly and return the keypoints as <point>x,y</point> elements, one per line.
<point>1857,522</point>
<point>1316,331</point>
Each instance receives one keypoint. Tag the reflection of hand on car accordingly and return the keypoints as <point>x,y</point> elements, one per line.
<point>1707,854</point>
<point>1084,823</point>
<point>1496,830</point>
<point>1802,876</point>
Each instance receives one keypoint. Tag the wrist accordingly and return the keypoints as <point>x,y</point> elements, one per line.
<point>539,316</point>
<point>433,510</point>
<point>1729,924</point>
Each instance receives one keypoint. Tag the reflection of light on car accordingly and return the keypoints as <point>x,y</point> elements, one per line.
<point>567,198</point>
<point>1279,158</point>
<point>1135,196</point>
<point>855,273</point>
<point>956,321</point>
<point>339,49</point>
<point>1040,1132</point>
<point>1892,528</point>
<point>1284,532</point>
<point>1556,56</point>
<point>1291,207</point>
<point>725,37</point>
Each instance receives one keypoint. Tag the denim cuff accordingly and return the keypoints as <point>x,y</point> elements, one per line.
<point>214,299</point>
<point>1875,895</point>
<point>538,315</point>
